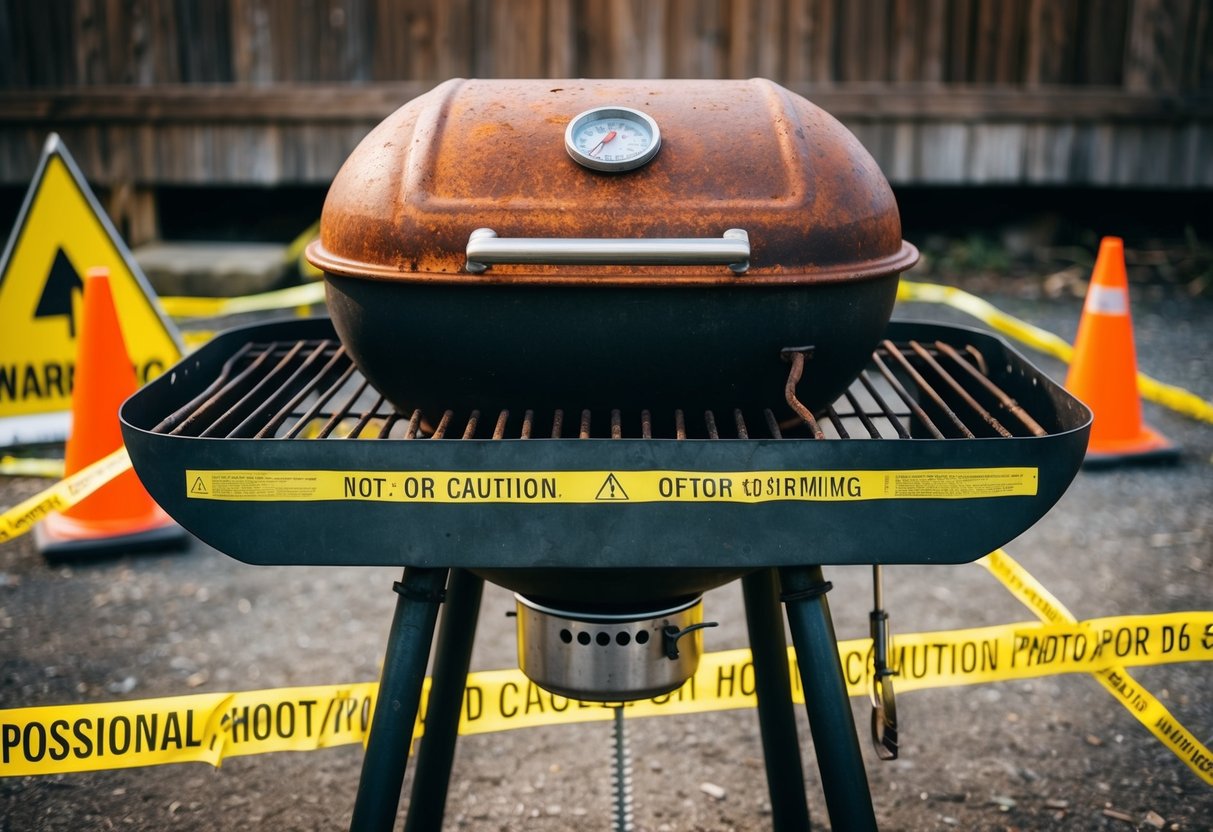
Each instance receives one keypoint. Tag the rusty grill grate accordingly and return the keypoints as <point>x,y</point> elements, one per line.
<point>312,390</point>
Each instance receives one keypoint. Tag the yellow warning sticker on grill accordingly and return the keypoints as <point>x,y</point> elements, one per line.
<point>609,487</point>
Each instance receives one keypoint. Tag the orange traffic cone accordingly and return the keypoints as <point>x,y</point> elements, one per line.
<point>1103,372</point>
<point>120,516</point>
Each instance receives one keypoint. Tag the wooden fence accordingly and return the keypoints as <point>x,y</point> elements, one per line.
<point>1066,92</point>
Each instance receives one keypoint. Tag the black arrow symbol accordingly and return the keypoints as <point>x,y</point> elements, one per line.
<point>57,293</point>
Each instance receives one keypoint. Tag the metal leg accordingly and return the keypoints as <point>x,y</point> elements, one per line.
<point>776,719</point>
<point>408,650</point>
<point>843,777</point>
<point>432,770</point>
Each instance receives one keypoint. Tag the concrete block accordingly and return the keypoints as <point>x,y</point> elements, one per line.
<point>212,269</point>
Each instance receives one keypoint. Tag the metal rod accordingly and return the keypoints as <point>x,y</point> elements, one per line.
<point>893,418</point>
<point>443,424</point>
<point>958,389</point>
<point>795,373</point>
<point>926,387</point>
<point>369,414</point>
<point>904,395</point>
<point>739,419</point>
<point>342,412</point>
<point>862,415</point>
<point>317,379</point>
<point>173,421</point>
<point>843,778</point>
<point>839,427</point>
<point>280,381</point>
<point>453,654</point>
<point>621,775</point>
<point>387,749</point>
<point>469,430</point>
<point>503,419</point>
<point>776,718</point>
<point>1006,401</point>
<point>772,424</point>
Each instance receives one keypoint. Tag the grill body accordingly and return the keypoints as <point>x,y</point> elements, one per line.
<point>291,380</point>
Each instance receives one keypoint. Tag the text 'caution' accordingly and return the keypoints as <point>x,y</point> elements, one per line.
<point>609,487</point>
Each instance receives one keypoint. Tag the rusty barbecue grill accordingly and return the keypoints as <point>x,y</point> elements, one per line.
<point>979,443</point>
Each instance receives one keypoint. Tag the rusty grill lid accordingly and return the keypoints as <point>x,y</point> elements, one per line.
<point>747,155</point>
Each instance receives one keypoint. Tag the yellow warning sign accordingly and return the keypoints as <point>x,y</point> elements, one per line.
<point>543,487</point>
<point>611,490</point>
<point>60,233</point>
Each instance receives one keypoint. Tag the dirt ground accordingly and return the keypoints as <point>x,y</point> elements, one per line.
<point>1051,753</point>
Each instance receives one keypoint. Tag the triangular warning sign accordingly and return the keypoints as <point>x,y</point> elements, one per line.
<point>199,487</point>
<point>611,489</point>
<point>60,233</point>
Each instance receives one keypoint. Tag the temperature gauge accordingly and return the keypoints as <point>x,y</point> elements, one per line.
<point>612,139</point>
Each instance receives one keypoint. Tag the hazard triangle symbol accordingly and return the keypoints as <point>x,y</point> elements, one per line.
<point>611,490</point>
<point>60,233</point>
<point>199,487</point>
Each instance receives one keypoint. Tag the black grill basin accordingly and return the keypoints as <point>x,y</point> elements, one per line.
<point>268,445</point>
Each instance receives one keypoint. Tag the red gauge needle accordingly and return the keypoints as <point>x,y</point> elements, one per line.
<point>609,137</point>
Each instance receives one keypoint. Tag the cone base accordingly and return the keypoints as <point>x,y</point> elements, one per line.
<point>1147,448</point>
<point>61,538</point>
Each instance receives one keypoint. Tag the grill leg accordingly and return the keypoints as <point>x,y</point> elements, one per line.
<point>843,778</point>
<point>408,650</point>
<point>776,719</point>
<point>432,771</point>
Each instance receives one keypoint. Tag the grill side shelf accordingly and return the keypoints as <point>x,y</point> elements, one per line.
<point>813,501</point>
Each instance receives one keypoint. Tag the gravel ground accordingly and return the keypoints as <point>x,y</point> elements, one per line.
<point>1053,753</point>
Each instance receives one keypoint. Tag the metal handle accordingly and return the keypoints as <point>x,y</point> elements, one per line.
<point>732,249</point>
<point>670,635</point>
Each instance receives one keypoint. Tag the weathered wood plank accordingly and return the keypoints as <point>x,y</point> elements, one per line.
<point>338,103</point>
<point>1157,37</point>
<point>943,151</point>
<point>996,153</point>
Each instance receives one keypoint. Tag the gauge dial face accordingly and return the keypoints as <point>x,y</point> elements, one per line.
<point>612,139</point>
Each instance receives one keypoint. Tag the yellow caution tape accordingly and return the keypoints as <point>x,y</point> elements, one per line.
<point>192,307</point>
<point>204,727</point>
<point>294,252</point>
<point>1124,689</point>
<point>210,727</point>
<point>1167,395</point>
<point>608,487</point>
<point>61,496</point>
<point>16,466</point>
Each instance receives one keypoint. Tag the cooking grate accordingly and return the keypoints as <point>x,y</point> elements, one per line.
<point>310,389</point>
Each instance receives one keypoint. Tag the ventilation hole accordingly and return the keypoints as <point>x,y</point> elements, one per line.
<point>583,638</point>
<point>604,639</point>
<point>642,637</point>
<point>566,636</point>
<point>622,639</point>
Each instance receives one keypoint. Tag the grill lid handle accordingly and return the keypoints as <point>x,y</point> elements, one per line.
<point>732,249</point>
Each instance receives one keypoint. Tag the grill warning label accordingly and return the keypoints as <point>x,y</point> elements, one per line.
<point>609,487</point>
